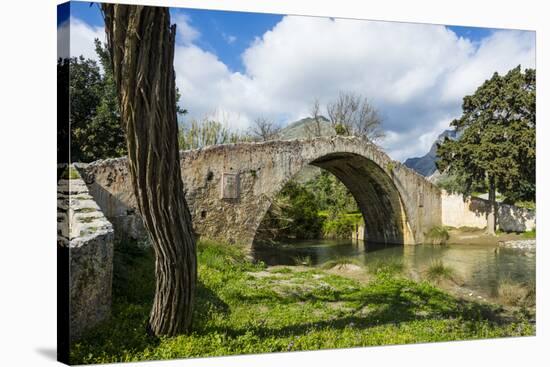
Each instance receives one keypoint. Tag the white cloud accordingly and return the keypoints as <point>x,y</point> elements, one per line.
<point>229,38</point>
<point>185,32</point>
<point>416,75</point>
<point>63,40</point>
<point>82,38</point>
<point>500,52</point>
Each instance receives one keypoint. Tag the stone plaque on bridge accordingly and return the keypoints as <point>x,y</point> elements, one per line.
<point>230,186</point>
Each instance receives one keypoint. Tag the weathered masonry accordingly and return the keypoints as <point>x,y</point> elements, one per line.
<point>87,237</point>
<point>229,188</point>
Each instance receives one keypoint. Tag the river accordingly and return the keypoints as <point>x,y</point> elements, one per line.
<point>480,267</point>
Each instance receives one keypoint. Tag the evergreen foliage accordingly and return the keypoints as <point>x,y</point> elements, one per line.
<point>496,150</point>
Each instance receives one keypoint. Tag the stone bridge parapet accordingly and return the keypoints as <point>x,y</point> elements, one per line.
<point>229,188</point>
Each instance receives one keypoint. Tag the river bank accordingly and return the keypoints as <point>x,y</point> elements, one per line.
<point>244,307</point>
<point>478,236</point>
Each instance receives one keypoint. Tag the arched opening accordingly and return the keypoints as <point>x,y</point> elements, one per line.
<point>375,193</point>
<point>375,197</point>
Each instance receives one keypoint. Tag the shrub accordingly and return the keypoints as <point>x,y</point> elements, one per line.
<point>438,235</point>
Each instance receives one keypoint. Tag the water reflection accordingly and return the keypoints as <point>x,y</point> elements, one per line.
<point>480,267</point>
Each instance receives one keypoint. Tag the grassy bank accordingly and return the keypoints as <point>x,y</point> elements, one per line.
<point>246,308</point>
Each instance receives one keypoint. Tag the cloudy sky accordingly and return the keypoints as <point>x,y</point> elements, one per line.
<point>240,66</point>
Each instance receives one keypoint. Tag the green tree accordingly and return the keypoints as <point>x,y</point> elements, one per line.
<point>497,147</point>
<point>85,84</point>
<point>200,133</point>
<point>331,195</point>
<point>293,214</point>
<point>96,131</point>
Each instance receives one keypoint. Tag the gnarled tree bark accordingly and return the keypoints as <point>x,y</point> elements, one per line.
<point>141,42</point>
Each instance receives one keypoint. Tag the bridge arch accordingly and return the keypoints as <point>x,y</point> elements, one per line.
<point>374,192</point>
<point>229,188</point>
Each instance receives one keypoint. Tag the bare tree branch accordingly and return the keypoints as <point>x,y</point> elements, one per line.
<point>264,129</point>
<point>352,114</point>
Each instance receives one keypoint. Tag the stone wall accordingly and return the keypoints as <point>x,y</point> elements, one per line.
<point>88,235</point>
<point>458,211</point>
<point>229,188</point>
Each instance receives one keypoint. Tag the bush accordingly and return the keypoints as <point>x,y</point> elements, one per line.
<point>438,235</point>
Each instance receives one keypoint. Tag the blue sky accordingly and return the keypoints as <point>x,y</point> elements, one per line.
<point>238,66</point>
<point>228,33</point>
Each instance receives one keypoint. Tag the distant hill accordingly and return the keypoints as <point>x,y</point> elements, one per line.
<point>298,129</point>
<point>425,165</point>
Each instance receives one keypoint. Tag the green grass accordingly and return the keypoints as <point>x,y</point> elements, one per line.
<point>531,205</point>
<point>437,235</point>
<point>243,307</point>
<point>302,260</point>
<point>341,262</point>
<point>517,294</point>
<point>469,229</point>
<point>70,173</point>
<point>532,234</point>
<point>390,266</point>
<point>437,271</point>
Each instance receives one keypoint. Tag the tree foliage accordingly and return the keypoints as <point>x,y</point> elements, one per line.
<point>200,133</point>
<point>332,195</point>
<point>497,146</point>
<point>318,208</point>
<point>293,214</point>
<point>498,141</point>
<point>96,131</point>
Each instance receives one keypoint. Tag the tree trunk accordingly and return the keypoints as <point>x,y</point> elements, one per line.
<point>491,216</point>
<point>141,42</point>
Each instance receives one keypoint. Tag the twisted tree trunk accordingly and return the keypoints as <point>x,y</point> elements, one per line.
<point>141,42</point>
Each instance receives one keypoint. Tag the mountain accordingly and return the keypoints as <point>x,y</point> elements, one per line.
<point>298,129</point>
<point>425,165</point>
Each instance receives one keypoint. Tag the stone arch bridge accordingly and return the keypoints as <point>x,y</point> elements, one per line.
<point>229,188</point>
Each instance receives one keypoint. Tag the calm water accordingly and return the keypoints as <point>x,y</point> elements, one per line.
<point>480,267</point>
